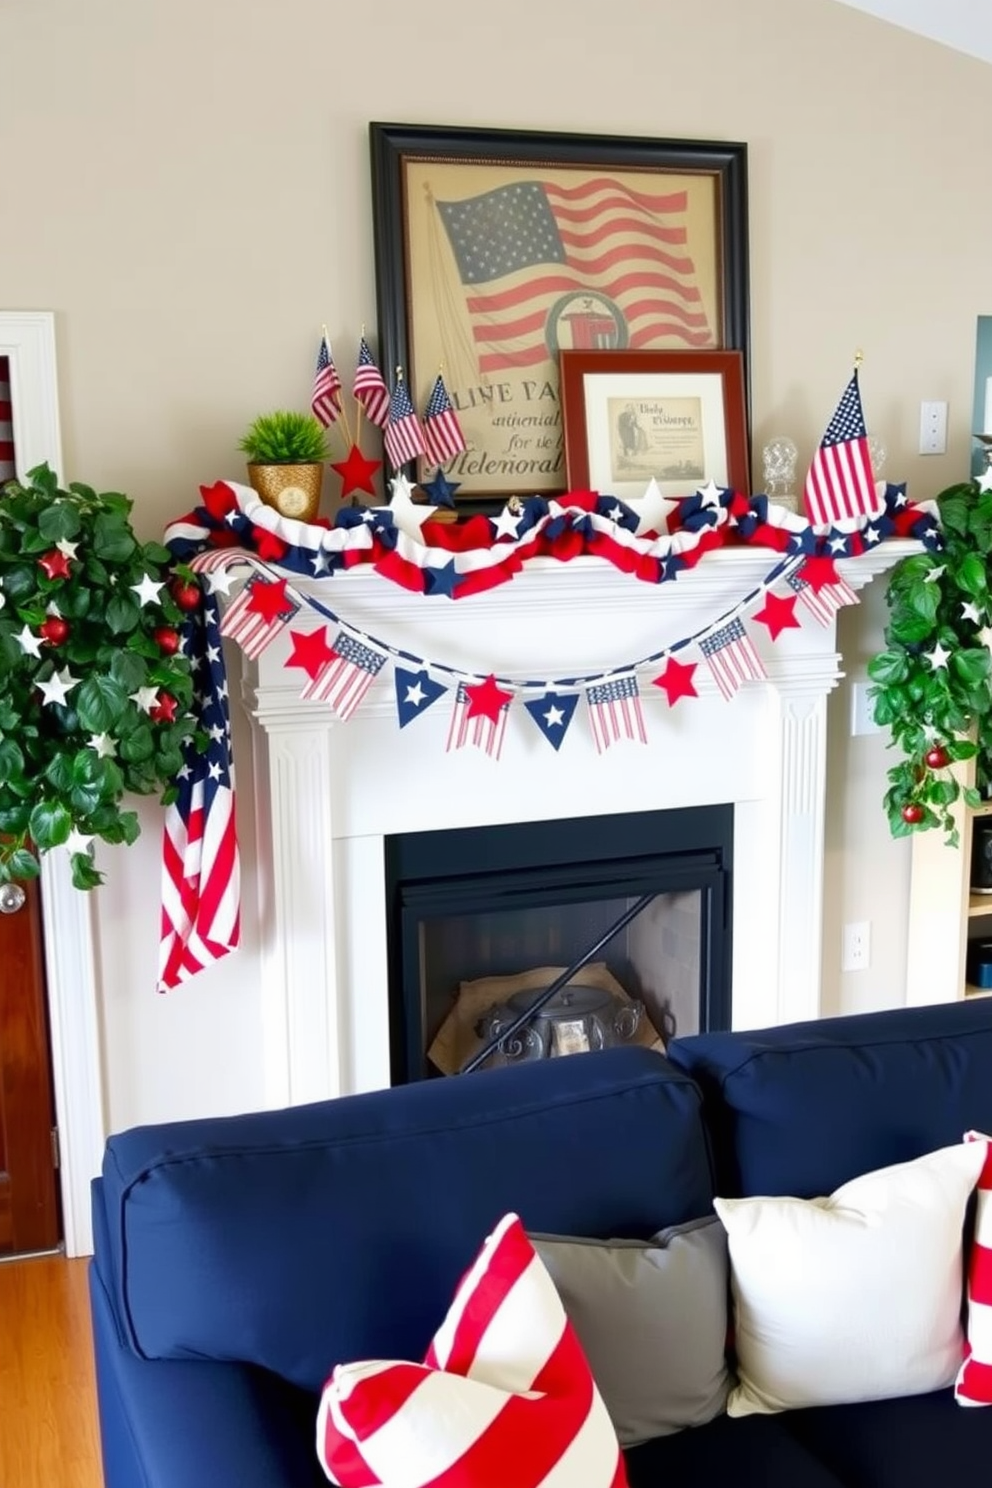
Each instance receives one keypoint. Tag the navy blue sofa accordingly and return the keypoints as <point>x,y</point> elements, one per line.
<point>237,1260</point>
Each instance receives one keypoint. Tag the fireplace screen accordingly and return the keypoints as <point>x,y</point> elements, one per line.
<point>617,927</point>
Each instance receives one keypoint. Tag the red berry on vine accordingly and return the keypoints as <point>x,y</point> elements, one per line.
<point>55,630</point>
<point>936,757</point>
<point>164,710</point>
<point>186,595</point>
<point>912,813</point>
<point>166,639</point>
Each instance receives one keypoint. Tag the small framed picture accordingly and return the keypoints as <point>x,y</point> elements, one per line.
<point>569,1036</point>
<point>676,417</point>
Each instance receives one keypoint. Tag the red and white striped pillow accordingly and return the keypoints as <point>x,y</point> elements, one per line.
<point>504,1398</point>
<point>974,1381</point>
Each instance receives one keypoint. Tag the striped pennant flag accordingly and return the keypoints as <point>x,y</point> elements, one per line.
<point>369,387</point>
<point>823,603</point>
<point>485,732</point>
<point>347,677</point>
<point>974,1382</point>
<point>404,434</point>
<point>840,483</point>
<point>615,712</point>
<point>731,657</point>
<point>325,398</point>
<point>443,435</point>
<point>256,616</point>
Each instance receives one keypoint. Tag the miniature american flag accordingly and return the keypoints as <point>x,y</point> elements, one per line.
<point>325,400</point>
<point>201,897</point>
<point>840,483</point>
<point>252,623</point>
<point>442,432</point>
<point>484,732</point>
<point>823,603</point>
<point>345,680</point>
<point>404,434</point>
<point>615,712</point>
<point>731,658</point>
<point>369,387</point>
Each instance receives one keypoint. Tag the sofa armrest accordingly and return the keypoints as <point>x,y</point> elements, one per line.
<point>179,1424</point>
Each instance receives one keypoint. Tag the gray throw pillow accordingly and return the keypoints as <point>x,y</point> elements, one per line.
<point>652,1318</point>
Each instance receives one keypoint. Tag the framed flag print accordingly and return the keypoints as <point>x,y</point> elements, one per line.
<point>496,250</point>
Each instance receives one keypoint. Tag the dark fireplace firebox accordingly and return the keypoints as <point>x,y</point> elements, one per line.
<point>481,920</point>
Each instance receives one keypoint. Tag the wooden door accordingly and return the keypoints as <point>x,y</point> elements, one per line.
<point>29,1211</point>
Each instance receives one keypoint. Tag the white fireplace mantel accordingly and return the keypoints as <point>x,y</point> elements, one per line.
<point>327,793</point>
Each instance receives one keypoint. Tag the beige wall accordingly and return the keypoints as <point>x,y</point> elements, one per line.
<point>186,186</point>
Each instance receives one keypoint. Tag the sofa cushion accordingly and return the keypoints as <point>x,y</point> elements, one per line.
<point>801,1109</point>
<point>297,1239</point>
<point>652,1318</point>
<point>974,1382</point>
<point>756,1452</point>
<point>504,1395</point>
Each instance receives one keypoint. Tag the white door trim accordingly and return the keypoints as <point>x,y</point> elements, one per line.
<point>27,339</point>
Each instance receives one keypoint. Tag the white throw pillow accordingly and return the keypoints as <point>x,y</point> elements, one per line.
<point>854,1297</point>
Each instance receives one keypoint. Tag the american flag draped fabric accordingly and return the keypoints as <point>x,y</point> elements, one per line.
<point>347,677</point>
<point>615,712</point>
<point>404,434</point>
<point>840,483</point>
<point>522,247</point>
<point>731,657</point>
<point>442,432</point>
<point>823,603</point>
<point>974,1382</point>
<point>370,388</point>
<point>8,469</point>
<point>201,889</point>
<point>479,729</point>
<point>325,400</point>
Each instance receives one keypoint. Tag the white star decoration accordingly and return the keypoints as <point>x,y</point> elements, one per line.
<point>67,549</point>
<point>933,574</point>
<point>29,643</point>
<point>415,695</point>
<point>408,515</point>
<point>58,686</point>
<point>219,580</point>
<point>652,510</point>
<point>939,657</point>
<point>507,522</point>
<point>554,717</point>
<point>145,698</point>
<point>103,744</point>
<point>985,479</point>
<point>710,492</point>
<point>78,842</point>
<point>148,591</point>
<point>971,612</point>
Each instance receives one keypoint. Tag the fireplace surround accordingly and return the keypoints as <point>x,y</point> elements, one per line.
<point>328,794</point>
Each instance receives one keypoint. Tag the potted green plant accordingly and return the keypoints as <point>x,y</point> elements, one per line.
<point>95,693</point>
<point>286,453</point>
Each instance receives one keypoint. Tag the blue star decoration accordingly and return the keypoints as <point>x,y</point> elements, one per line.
<point>415,692</point>
<point>440,491</point>
<point>553,713</point>
<point>441,580</point>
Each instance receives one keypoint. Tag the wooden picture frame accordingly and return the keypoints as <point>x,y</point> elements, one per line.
<point>677,417</point>
<point>495,250</point>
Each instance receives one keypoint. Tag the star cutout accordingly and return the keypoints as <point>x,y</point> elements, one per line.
<point>440,490</point>
<point>103,744</point>
<point>55,564</point>
<point>78,842</point>
<point>939,657</point>
<point>409,515</point>
<point>554,718</point>
<point>441,580</point>
<point>837,544</point>
<point>67,549</point>
<point>145,698</point>
<point>401,488</point>
<point>269,600</point>
<point>778,613</point>
<point>219,580</point>
<point>415,695</point>
<point>871,535</point>
<point>310,650</point>
<point>985,479</point>
<point>506,523</point>
<point>971,612</point>
<point>615,514</point>
<point>321,562</point>
<point>935,574</point>
<point>164,710</point>
<point>676,680</point>
<point>356,472</point>
<point>148,591</point>
<point>58,686</point>
<point>710,493</point>
<point>485,699</point>
<point>818,573</point>
<point>29,643</point>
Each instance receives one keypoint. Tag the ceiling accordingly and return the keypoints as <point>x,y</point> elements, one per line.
<point>965,25</point>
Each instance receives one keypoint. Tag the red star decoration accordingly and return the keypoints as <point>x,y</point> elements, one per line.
<point>218,499</point>
<point>310,650</point>
<point>818,573</point>
<point>778,613</point>
<point>55,564</point>
<point>269,600</point>
<point>268,546</point>
<point>164,710</point>
<point>677,681</point>
<point>356,472</point>
<point>485,699</point>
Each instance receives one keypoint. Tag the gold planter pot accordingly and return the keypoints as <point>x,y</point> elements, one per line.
<point>294,490</point>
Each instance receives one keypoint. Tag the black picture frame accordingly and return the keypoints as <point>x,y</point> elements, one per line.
<point>714,173</point>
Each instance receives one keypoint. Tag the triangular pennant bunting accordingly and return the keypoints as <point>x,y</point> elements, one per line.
<point>553,713</point>
<point>415,692</point>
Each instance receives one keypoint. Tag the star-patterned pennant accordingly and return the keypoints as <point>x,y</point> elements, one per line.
<point>479,716</point>
<point>553,712</point>
<point>823,603</point>
<point>350,671</point>
<point>415,692</point>
<point>256,616</point>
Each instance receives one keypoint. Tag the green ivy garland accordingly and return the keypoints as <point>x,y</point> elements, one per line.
<point>933,682</point>
<point>95,693</point>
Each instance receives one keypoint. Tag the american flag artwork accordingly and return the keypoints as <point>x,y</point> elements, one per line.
<point>443,435</point>
<point>840,483</point>
<point>369,387</point>
<point>731,657</point>
<point>404,434</point>
<point>252,629</point>
<point>522,247</point>
<point>8,469</point>
<point>201,880</point>
<point>345,680</point>
<point>615,712</point>
<point>823,603</point>
<point>325,400</point>
<point>485,733</point>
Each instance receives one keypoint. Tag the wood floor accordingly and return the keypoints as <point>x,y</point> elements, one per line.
<point>48,1422</point>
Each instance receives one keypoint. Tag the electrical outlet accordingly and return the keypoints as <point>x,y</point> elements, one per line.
<point>856,954</point>
<point>933,428</point>
<point>862,711</point>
